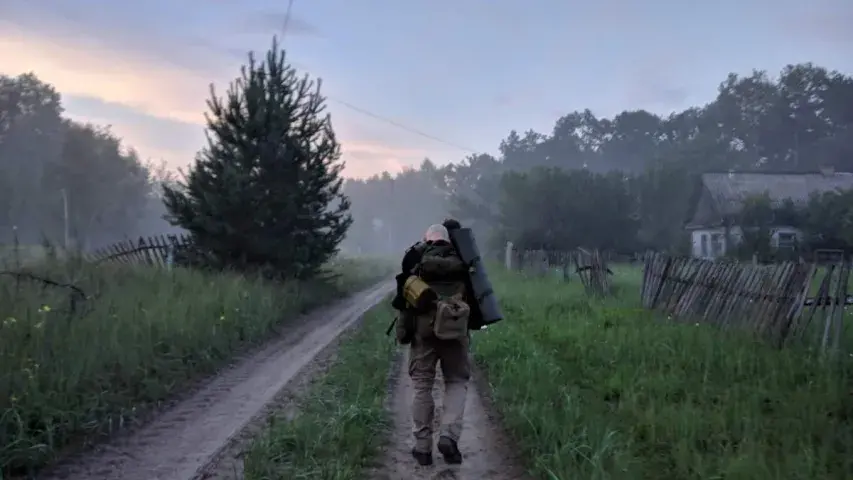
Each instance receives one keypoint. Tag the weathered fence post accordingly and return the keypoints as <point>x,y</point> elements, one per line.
<point>170,255</point>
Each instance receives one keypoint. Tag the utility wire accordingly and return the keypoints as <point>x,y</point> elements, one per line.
<point>286,18</point>
<point>400,125</point>
<point>369,113</point>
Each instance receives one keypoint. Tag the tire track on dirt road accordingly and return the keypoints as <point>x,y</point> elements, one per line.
<point>180,442</point>
<point>487,453</point>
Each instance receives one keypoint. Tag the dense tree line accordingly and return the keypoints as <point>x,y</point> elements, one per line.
<point>626,182</point>
<point>50,166</point>
<point>622,183</point>
<point>263,196</point>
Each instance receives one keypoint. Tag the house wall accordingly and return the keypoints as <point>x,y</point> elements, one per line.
<point>735,235</point>
<point>782,230</point>
<point>709,243</point>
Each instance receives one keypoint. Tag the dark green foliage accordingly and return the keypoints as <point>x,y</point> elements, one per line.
<point>756,220</point>
<point>265,194</point>
<point>798,121</point>
<point>826,222</point>
<point>544,207</point>
<point>65,181</point>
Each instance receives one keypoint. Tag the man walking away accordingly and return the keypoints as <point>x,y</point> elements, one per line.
<point>438,335</point>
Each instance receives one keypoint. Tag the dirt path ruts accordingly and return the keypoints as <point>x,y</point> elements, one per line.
<point>179,443</point>
<point>227,464</point>
<point>486,451</point>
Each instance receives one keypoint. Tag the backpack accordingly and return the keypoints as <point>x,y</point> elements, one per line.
<point>449,320</point>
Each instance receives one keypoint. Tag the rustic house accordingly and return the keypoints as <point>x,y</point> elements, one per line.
<point>720,199</point>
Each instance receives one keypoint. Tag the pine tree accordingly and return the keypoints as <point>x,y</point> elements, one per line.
<point>265,194</point>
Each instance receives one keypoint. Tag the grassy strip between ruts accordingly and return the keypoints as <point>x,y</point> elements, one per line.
<point>342,423</point>
<point>144,335</point>
<point>600,389</point>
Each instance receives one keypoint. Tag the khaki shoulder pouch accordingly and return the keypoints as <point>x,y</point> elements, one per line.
<point>451,319</point>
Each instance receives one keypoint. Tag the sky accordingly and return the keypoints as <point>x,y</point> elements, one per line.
<point>461,72</point>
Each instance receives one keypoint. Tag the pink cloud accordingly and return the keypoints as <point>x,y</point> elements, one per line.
<point>366,158</point>
<point>79,66</point>
<point>83,67</point>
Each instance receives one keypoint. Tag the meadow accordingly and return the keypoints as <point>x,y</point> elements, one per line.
<point>602,389</point>
<point>80,363</point>
<point>586,388</point>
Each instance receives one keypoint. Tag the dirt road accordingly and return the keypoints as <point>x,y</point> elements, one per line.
<point>183,440</point>
<point>486,451</point>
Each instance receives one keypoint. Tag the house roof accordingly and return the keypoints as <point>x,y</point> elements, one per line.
<point>729,190</point>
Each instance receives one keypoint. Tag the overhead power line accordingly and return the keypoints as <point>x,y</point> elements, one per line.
<point>400,125</point>
<point>286,18</point>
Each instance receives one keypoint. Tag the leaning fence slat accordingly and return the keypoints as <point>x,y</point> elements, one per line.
<point>841,298</point>
<point>150,251</point>
<point>822,292</point>
<point>830,315</point>
<point>797,305</point>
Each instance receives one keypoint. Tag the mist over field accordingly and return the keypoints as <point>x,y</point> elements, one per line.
<point>661,194</point>
<point>625,183</point>
<point>61,179</point>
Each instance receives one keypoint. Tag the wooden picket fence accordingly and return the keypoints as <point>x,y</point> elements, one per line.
<point>781,302</point>
<point>153,250</point>
<point>543,262</point>
<point>591,267</point>
<point>588,266</point>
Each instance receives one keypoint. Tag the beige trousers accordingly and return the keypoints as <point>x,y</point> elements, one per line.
<point>424,355</point>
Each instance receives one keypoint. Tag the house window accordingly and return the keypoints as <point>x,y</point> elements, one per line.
<point>717,245</point>
<point>704,243</point>
<point>786,240</point>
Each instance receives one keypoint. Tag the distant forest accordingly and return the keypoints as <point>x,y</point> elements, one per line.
<point>51,166</point>
<point>623,183</point>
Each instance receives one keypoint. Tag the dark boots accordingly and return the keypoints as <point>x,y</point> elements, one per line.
<point>448,448</point>
<point>424,458</point>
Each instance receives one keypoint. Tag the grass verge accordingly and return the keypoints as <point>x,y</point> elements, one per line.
<point>342,422</point>
<point>74,369</point>
<point>603,390</point>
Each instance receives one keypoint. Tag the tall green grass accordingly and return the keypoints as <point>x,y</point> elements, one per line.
<point>142,335</point>
<point>342,423</point>
<point>605,390</point>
